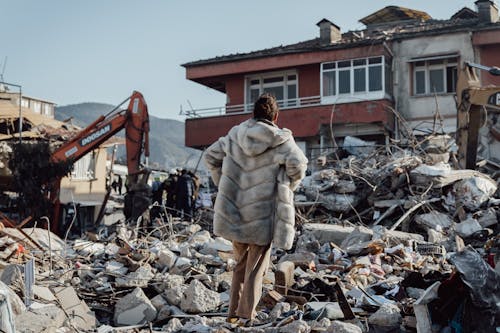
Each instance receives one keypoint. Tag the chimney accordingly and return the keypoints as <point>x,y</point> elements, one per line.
<point>487,10</point>
<point>328,32</point>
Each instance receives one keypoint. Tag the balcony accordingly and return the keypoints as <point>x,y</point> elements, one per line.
<point>231,110</point>
<point>304,116</point>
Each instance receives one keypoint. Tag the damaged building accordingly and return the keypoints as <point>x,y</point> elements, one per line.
<point>83,188</point>
<point>402,67</point>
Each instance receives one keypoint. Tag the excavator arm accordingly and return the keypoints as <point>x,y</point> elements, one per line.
<point>472,99</point>
<point>135,120</point>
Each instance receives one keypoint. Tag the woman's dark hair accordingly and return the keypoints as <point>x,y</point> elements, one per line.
<point>265,107</point>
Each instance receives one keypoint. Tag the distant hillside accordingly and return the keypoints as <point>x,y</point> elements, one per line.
<point>166,138</point>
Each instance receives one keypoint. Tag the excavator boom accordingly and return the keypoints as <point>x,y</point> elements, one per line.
<point>472,99</point>
<point>135,120</point>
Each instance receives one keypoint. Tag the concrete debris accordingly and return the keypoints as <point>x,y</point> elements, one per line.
<point>385,242</point>
<point>388,315</point>
<point>134,308</point>
<point>341,327</point>
<point>198,298</point>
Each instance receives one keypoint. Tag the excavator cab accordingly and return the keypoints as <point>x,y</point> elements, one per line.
<point>473,101</point>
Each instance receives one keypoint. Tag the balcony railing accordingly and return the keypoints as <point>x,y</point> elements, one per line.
<point>247,108</point>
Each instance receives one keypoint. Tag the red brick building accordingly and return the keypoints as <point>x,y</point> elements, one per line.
<point>356,83</point>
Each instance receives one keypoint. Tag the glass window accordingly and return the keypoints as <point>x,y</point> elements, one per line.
<point>451,79</point>
<point>329,65</point>
<point>344,82</point>
<point>436,78</point>
<point>273,79</point>
<point>292,95</point>
<point>84,168</point>
<point>356,76</point>
<point>375,81</point>
<point>359,62</point>
<point>343,64</point>
<point>254,94</point>
<point>329,84</point>
<point>276,92</point>
<point>420,82</point>
<point>283,86</point>
<point>37,107</point>
<point>359,79</point>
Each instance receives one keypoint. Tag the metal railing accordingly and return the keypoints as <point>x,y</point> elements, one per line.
<point>285,104</point>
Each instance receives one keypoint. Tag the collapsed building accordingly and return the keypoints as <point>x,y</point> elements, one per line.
<point>28,124</point>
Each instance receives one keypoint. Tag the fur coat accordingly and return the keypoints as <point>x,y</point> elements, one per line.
<point>256,167</point>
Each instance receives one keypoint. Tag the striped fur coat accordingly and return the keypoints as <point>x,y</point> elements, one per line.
<point>256,167</point>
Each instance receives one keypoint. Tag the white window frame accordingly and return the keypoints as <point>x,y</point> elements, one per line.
<point>85,167</point>
<point>451,61</point>
<point>285,102</point>
<point>37,107</point>
<point>353,96</point>
<point>47,109</point>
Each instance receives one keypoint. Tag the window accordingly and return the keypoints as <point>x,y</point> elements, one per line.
<point>282,85</point>
<point>47,109</point>
<point>353,77</point>
<point>37,107</point>
<point>84,168</point>
<point>434,76</point>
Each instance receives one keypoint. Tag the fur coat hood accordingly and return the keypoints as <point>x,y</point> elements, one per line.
<point>256,167</point>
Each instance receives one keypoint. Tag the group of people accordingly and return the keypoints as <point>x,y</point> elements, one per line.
<point>117,185</point>
<point>181,188</point>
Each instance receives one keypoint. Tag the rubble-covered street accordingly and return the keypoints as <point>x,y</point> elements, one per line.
<point>390,239</point>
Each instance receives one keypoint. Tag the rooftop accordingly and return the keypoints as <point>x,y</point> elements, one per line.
<point>389,23</point>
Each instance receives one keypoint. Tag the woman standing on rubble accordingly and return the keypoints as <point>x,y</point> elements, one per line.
<point>256,166</point>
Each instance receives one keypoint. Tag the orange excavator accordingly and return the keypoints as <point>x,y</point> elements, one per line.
<point>135,120</point>
<point>472,100</point>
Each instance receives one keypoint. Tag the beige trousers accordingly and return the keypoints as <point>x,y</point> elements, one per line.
<point>252,262</point>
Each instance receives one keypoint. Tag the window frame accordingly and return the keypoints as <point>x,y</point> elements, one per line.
<point>451,61</point>
<point>85,168</point>
<point>285,84</point>
<point>352,94</point>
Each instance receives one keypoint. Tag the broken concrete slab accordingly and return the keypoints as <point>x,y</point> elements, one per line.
<point>283,277</point>
<point>79,313</point>
<point>133,309</point>
<point>467,227</point>
<point>166,258</point>
<point>198,298</point>
<point>6,314</point>
<point>435,220</point>
<point>139,278</point>
<point>45,319</point>
<point>342,327</point>
<point>331,232</point>
<point>43,293</point>
<point>388,315</point>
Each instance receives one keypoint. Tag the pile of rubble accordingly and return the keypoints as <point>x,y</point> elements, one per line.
<point>386,242</point>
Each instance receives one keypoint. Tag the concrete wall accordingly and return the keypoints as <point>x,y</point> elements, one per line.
<point>418,109</point>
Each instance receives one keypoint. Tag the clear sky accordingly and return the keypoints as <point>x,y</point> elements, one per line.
<point>101,50</point>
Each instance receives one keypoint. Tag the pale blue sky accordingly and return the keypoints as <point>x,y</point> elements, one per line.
<point>101,50</point>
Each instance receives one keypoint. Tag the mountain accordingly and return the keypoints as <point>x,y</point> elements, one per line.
<point>166,136</point>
